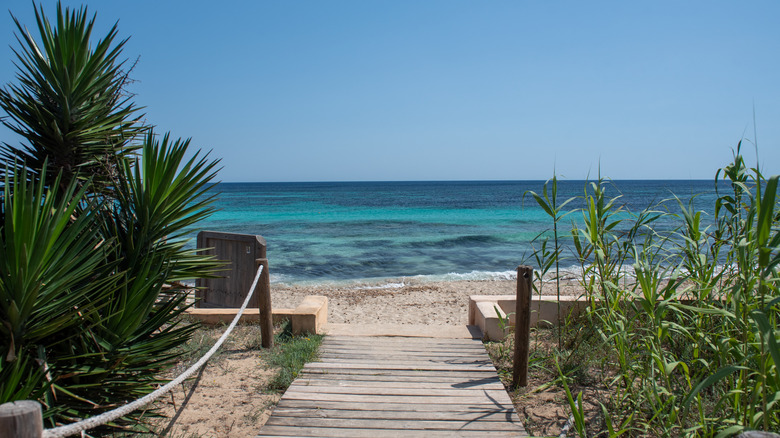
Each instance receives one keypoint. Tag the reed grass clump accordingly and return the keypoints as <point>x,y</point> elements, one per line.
<point>689,335</point>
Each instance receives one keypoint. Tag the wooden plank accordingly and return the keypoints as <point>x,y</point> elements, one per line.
<point>405,343</point>
<point>399,382</point>
<point>494,391</point>
<point>393,383</point>
<point>400,375</point>
<point>410,363</point>
<point>475,346</point>
<point>399,352</point>
<point>405,352</point>
<point>507,415</point>
<point>334,357</point>
<point>412,367</point>
<point>389,406</point>
<point>401,425</point>
<point>400,339</point>
<point>403,360</point>
<point>409,392</point>
<point>377,386</point>
<point>478,348</point>
<point>351,340</point>
<point>390,351</point>
<point>315,368</point>
<point>382,398</point>
<point>411,355</point>
<point>295,431</point>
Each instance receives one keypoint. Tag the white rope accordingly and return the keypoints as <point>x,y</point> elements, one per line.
<point>565,430</point>
<point>89,423</point>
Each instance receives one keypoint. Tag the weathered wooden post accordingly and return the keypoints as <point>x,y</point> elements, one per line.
<point>522,326</point>
<point>263,294</point>
<point>21,419</point>
<point>758,434</point>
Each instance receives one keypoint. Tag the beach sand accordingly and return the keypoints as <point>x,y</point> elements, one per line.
<point>406,301</point>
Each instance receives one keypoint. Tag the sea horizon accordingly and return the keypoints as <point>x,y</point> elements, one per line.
<point>560,179</point>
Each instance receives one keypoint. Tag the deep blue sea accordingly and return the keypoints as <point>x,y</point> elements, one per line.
<point>385,231</point>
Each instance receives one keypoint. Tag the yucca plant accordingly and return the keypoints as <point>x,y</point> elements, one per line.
<point>70,105</point>
<point>98,213</point>
<point>45,302</point>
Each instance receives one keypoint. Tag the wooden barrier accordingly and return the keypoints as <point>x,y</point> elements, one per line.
<point>522,326</point>
<point>243,253</point>
<point>240,252</point>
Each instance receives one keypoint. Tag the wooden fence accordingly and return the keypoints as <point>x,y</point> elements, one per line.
<point>242,253</point>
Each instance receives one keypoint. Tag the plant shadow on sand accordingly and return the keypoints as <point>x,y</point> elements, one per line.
<point>234,393</point>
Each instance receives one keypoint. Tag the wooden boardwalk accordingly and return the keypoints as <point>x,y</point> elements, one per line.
<point>395,386</point>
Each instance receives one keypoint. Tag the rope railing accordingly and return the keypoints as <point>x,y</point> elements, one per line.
<point>106,417</point>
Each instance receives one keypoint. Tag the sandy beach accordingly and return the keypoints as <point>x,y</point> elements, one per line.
<point>406,301</point>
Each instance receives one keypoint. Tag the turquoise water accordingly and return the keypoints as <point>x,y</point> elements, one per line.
<point>343,231</point>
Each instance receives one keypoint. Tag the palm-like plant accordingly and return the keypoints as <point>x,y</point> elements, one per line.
<point>92,228</point>
<point>45,256</point>
<point>70,105</point>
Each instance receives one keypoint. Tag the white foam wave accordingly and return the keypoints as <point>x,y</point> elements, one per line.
<point>280,278</point>
<point>397,285</point>
<point>471,276</point>
<point>568,273</point>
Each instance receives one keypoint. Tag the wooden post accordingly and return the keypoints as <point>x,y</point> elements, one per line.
<point>522,326</point>
<point>263,293</point>
<point>21,419</point>
<point>758,434</point>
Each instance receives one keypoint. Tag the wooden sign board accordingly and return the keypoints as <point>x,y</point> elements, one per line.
<point>240,252</point>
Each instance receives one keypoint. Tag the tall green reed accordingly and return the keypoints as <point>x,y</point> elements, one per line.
<point>549,202</point>
<point>690,337</point>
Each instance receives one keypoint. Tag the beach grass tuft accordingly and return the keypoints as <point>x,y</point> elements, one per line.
<point>290,354</point>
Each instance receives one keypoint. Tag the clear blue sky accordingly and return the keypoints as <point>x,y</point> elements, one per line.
<point>451,90</point>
